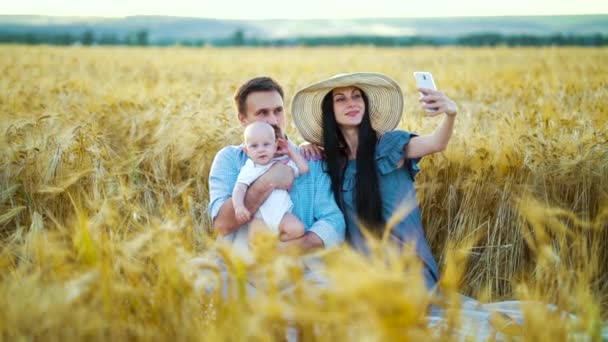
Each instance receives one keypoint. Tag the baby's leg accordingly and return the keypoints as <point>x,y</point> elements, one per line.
<point>290,227</point>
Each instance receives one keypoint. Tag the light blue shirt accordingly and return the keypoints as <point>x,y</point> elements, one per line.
<point>311,194</point>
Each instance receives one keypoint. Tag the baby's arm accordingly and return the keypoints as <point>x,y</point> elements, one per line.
<point>296,157</point>
<point>241,213</point>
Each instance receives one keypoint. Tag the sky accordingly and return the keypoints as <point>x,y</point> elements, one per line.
<point>303,9</point>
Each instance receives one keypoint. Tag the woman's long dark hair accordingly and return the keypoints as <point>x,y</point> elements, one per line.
<point>368,203</point>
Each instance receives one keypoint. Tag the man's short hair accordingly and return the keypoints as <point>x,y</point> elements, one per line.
<point>252,86</point>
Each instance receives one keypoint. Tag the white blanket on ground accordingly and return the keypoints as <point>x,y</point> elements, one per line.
<point>474,316</point>
<point>475,322</point>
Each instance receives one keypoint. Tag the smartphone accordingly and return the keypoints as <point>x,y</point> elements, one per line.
<point>424,79</point>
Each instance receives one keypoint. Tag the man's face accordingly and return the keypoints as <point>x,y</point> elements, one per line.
<point>266,106</point>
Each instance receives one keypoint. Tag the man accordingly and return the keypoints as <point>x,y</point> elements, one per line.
<point>261,99</point>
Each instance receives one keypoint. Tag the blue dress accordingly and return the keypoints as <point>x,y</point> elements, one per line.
<point>396,186</point>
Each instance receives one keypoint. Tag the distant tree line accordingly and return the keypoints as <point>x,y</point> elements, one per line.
<point>238,38</point>
<point>491,39</point>
<point>138,38</point>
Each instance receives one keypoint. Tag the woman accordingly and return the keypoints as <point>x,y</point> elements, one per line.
<point>371,165</point>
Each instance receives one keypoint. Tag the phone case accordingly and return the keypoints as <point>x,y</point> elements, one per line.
<point>424,79</point>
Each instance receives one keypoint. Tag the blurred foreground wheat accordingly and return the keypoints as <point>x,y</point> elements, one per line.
<point>105,157</point>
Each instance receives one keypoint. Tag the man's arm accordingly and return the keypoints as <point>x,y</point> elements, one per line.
<point>308,242</point>
<point>279,176</point>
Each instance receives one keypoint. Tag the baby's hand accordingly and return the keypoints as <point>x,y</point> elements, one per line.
<point>283,147</point>
<point>241,214</point>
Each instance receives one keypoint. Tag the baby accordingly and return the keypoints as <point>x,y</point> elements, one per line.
<point>261,145</point>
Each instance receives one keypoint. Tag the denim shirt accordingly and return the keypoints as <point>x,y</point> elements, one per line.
<point>311,194</point>
<point>396,188</point>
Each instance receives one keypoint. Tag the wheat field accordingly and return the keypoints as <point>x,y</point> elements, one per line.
<point>105,158</point>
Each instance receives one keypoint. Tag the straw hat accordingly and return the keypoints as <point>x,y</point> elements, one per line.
<point>384,95</point>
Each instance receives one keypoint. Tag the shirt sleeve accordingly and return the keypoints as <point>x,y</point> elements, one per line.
<point>391,149</point>
<point>328,223</point>
<point>222,178</point>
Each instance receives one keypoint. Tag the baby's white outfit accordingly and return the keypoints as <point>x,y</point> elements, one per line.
<point>279,202</point>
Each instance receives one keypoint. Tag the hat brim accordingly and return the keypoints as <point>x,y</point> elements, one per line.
<point>384,96</point>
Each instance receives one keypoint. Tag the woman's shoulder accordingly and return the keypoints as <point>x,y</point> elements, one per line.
<point>393,140</point>
<point>390,152</point>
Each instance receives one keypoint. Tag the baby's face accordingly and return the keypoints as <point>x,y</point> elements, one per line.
<point>261,148</point>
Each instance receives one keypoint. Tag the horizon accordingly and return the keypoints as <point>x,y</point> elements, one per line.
<point>297,19</point>
<point>313,9</point>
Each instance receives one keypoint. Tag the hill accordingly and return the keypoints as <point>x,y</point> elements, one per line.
<point>164,28</point>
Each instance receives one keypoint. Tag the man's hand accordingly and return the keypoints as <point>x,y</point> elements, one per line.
<point>307,242</point>
<point>279,176</point>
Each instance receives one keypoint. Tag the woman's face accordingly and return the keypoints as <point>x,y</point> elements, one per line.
<point>349,106</point>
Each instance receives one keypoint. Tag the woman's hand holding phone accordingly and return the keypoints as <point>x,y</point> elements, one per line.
<point>435,102</point>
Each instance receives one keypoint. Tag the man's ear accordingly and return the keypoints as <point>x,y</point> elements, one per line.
<point>243,119</point>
